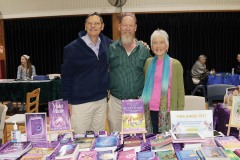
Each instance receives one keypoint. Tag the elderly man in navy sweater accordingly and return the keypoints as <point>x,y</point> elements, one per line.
<point>85,76</point>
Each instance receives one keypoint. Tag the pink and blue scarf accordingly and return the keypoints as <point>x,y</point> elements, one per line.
<point>166,79</point>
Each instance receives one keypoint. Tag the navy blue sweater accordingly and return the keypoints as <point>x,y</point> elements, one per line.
<point>84,76</point>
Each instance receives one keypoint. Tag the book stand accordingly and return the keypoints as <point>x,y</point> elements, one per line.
<point>132,134</point>
<point>230,125</point>
<point>133,118</point>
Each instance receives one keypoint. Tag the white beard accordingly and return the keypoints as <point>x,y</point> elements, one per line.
<point>127,39</point>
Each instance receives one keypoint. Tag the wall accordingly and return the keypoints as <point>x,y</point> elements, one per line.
<point>40,8</point>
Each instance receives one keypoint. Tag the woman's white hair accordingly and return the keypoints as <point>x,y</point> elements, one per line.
<point>161,33</point>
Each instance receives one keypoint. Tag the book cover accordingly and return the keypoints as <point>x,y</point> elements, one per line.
<point>133,119</point>
<point>237,152</point>
<point>88,155</point>
<point>15,149</point>
<point>132,142</point>
<point>106,155</point>
<point>145,155</point>
<point>36,127</point>
<point>231,155</point>
<point>59,115</point>
<point>209,142</point>
<point>162,148</point>
<point>84,143</point>
<point>161,141</point>
<point>127,155</point>
<point>235,112</point>
<point>214,153</point>
<point>68,151</point>
<point>187,155</point>
<point>33,157</point>
<point>108,141</point>
<point>46,148</point>
<point>168,155</point>
<point>228,142</point>
<point>230,92</point>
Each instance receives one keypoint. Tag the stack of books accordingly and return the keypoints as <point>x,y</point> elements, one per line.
<point>14,150</point>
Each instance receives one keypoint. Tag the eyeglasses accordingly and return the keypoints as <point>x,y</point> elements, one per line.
<point>94,23</point>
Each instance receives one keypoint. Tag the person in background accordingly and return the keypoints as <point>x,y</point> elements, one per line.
<point>26,70</point>
<point>237,68</point>
<point>164,88</point>
<point>85,78</point>
<point>127,57</point>
<point>199,71</point>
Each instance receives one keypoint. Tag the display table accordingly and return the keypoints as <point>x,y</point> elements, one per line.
<point>15,91</point>
<point>221,116</point>
<point>224,78</point>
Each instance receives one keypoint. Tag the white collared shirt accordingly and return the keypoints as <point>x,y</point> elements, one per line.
<point>90,44</point>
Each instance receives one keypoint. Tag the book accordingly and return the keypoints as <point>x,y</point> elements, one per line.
<point>168,155</point>
<point>133,119</point>
<point>145,155</point>
<point>36,127</point>
<point>106,143</point>
<point>230,92</point>
<point>132,143</point>
<point>164,148</point>
<point>34,157</point>
<point>161,140</point>
<point>235,112</point>
<point>45,148</point>
<point>102,133</point>
<point>228,142</point>
<point>59,119</point>
<point>214,153</point>
<point>209,142</point>
<point>90,134</point>
<point>237,152</point>
<point>231,155</point>
<point>69,151</point>
<point>106,155</point>
<point>14,149</point>
<point>192,146</point>
<point>187,137</point>
<point>187,155</point>
<point>88,155</point>
<point>127,155</point>
<point>84,143</point>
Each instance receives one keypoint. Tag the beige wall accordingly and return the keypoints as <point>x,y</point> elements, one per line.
<point>40,8</point>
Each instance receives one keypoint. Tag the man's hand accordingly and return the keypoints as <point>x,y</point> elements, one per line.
<point>145,44</point>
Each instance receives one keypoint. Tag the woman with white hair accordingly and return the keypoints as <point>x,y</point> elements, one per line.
<point>26,70</point>
<point>164,88</point>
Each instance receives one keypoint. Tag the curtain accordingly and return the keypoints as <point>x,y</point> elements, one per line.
<point>215,34</point>
<point>43,39</point>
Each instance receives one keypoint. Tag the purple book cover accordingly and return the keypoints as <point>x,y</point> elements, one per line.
<point>133,115</point>
<point>14,148</point>
<point>58,115</point>
<point>36,127</point>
